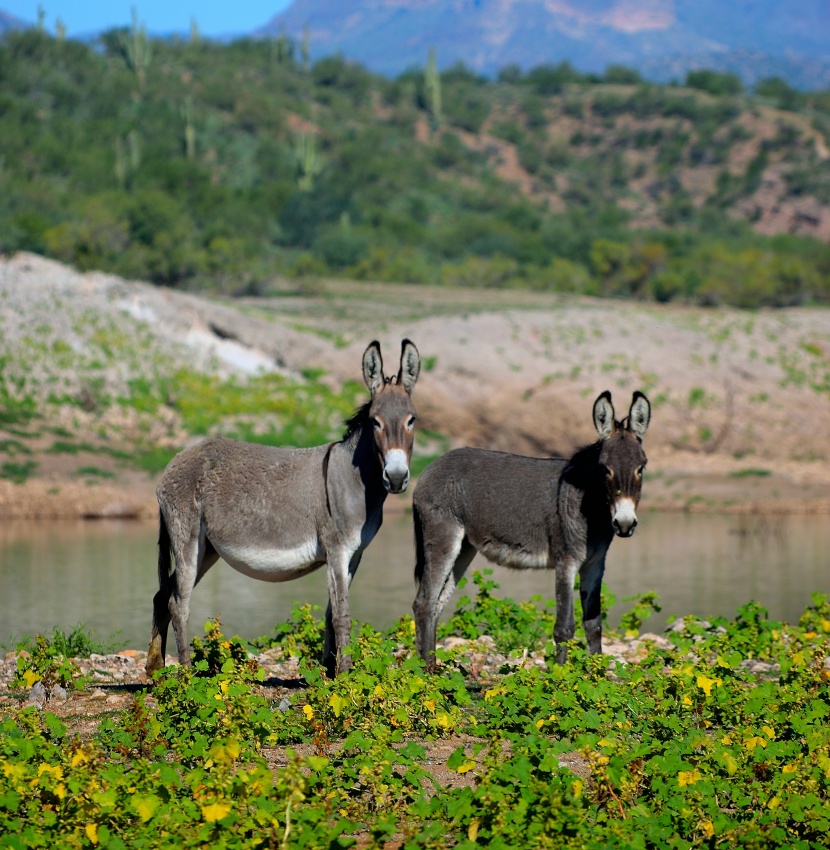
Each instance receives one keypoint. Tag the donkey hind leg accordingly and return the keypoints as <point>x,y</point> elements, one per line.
<point>590,587</point>
<point>194,556</point>
<point>563,630</point>
<point>442,561</point>
<point>338,617</point>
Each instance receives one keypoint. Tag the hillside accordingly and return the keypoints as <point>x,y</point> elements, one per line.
<point>222,167</point>
<point>104,380</point>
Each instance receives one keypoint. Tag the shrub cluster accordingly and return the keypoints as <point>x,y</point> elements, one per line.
<point>192,163</point>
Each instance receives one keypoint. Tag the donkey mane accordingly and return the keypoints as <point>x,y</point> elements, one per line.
<point>356,421</point>
<point>582,465</point>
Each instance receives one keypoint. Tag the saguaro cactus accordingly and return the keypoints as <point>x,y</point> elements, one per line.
<point>432,88</point>
<point>305,47</point>
<point>127,158</point>
<point>309,164</point>
<point>137,51</point>
<point>189,129</point>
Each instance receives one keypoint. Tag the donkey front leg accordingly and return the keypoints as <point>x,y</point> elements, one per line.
<point>340,572</point>
<point>565,627</point>
<point>590,588</point>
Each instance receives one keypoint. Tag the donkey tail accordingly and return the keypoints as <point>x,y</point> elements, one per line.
<point>419,543</point>
<point>161,614</point>
<point>164,552</point>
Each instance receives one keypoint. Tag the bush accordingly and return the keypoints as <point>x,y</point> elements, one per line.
<point>715,82</point>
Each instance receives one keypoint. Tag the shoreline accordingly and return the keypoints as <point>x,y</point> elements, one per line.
<point>44,501</point>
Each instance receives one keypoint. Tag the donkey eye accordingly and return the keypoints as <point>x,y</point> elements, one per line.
<point>639,471</point>
<point>378,424</point>
<point>609,474</point>
<point>410,422</point>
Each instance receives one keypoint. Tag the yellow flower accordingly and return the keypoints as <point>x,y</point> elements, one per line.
<point>15,772</point>
<point>688,777</point>
<point>92,832</point>
<point>443,719</point>
<point>80,757</point>
<point>30,677</point>
<point>789,768</point>
<point>308,711</point>
<point>708,828</point>
<point>429,704</point>
<point>705,683</point>
<point>55,770</point>
<point>494,692</point>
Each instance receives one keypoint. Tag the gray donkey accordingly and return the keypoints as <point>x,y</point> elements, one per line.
<point>530,513</point>
<point>278,513</point>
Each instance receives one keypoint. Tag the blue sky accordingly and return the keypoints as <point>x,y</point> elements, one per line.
<point>214,17</point>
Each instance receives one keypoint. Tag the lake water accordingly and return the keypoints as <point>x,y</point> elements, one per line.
<point>104,575</point>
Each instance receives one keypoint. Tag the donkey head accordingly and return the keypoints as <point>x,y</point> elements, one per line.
<point>622,457</point>
<point>392,413</point>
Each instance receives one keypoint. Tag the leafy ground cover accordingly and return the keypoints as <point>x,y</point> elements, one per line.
<point>712,735</point>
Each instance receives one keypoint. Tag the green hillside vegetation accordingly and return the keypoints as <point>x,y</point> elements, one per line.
<point>221,166</point>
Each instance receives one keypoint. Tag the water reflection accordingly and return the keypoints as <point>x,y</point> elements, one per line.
<point>104,574</point>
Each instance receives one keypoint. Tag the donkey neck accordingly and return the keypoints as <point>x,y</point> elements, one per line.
<point>584,474</point>
<point>358,445</point>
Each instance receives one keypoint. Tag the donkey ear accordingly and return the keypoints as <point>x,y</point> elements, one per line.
<point>604,415</point>
<point>373,367</point>
<point>640,414</point>
<point>410,365</point>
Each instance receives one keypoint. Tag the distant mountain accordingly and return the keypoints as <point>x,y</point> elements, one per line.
<point>10,22</point>
<point>661,38</point>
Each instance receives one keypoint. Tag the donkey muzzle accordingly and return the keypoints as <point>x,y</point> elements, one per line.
<point>624,518</point>
<point>395,471</point>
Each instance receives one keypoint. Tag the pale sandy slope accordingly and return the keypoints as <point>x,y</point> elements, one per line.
<point>741,400</point>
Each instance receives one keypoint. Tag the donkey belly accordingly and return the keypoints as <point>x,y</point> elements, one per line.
<point>517,558</point>
<point>272,563</point>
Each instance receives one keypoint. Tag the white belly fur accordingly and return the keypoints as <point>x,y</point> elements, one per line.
<point>272,564</point>
<point>508,557</point>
